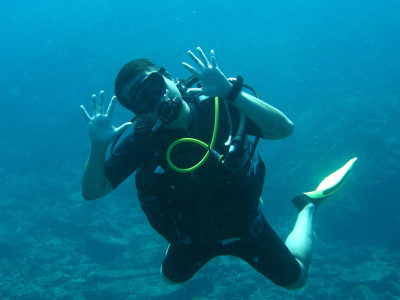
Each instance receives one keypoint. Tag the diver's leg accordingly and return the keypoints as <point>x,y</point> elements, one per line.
<point>182,261</point>
<point>264,250</point>
<point>300,243</point>
<point>300,240</point>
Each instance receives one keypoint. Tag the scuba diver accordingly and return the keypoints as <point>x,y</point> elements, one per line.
<point>198,175</point>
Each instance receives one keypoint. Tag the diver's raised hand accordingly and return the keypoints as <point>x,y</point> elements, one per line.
<point>101,130</point>
<point>214,82</point>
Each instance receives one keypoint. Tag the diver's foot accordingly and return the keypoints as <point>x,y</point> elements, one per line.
<point>302,200</point>
<point>327,187</point>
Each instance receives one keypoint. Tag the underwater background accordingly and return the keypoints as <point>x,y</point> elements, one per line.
<point>333,67</point>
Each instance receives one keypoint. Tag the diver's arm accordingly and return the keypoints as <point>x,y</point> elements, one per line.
<point>101,132</point>
<point>272,122</point>
<point>94,181</point>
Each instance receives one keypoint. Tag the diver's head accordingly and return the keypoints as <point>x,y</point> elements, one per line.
<point>148,91</point>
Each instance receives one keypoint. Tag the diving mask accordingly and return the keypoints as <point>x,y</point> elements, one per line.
<point>146,93</point>
<point>150,93</point>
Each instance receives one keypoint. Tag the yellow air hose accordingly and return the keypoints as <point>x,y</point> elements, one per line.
<point>198,142</point>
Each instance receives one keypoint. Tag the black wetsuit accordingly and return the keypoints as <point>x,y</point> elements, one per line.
<point>203,213</point>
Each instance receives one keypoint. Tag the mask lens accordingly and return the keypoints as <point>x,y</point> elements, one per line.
<point>148,94</point>
<point>139,103</point>
<point>154,86</point>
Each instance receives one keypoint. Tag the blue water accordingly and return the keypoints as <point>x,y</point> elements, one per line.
<point>332,67</point>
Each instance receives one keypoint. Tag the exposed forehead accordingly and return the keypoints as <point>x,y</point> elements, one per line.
<point>135,78</point>
<point>130,83</point>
